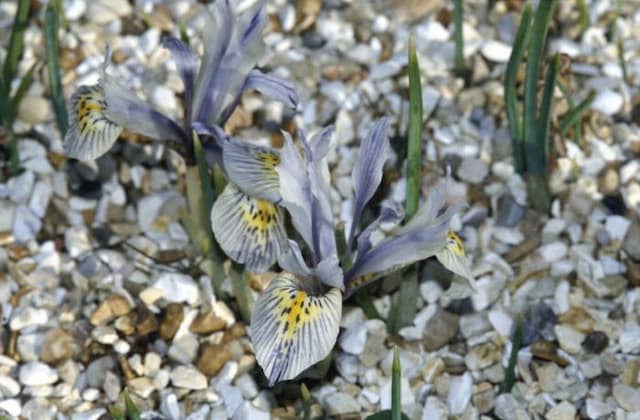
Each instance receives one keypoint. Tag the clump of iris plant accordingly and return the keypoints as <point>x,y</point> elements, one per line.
<point>247,223</point>
<point>295,322</point>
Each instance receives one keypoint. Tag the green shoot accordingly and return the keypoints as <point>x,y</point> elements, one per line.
<point>396,390</point>
<point>306,402</point>
<point>132,411</point>
<point>623,63</point>
<point>414,149</point>
<point>510,375</point>
<point>53,67</point>
<point>515,122</point>
<point>572,119</point>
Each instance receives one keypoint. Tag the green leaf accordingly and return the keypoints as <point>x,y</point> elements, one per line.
<point>404,302</point>
<point>510,99</point>
<point>414,148</point>
<point>241,290</point>
<point>16,42</point>
<point>116,413</point>
<point>53,66</point>
<point>396,387</point>
<point>541,21</point>
<point>544,122</point>
<point>459,40</point>
<point>623,63</point>
<point>365,301</point>
<point>306,402</point>
<point>23,87</point>
<point>132,411</point>
<point>575,113</point>
<point>510,374</point>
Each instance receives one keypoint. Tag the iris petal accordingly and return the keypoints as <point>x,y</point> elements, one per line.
<point>91,134</point>
<point>249,230</point>
<point>292,329</point>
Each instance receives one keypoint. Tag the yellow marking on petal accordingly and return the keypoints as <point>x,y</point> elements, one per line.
<point>454,243</point>
<point>259,216</point>
<point>270,160</point>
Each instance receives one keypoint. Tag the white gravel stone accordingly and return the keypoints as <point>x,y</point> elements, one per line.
<point>570,340</point>
<point>247,411</point>
<point>232,397</point>
<point>341,403</point>
<point>627,396</point>
<point>170,407</point>
<point>164,99</point>
<point>473,170</point>
<point>187,377</point>
<point>563,411</point>
<point>36,374</point>
<point>178,288</point>
<point>607,102</point>
<point>26,225</point>
<point>434,409</point>
<point>617,226</point>
<point>459,395</point>
<point>553,251</point>
<point>11,406</point>
<point>597,409</point>
<point>8,386</point>
<point>496,51</point>
<point>40,197</point>
<point>630,338</point>
<point>25,317</point>
<point>353,339</point>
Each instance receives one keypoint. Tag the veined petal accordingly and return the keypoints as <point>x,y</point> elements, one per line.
<point>329,273</point>
<point>291,329</point>
<point>187,63</point>
<point>367,173</point>
<point>272,87</point>
<point>91,134</point>
<point>249,230</point>
<point>387,215</point>
<point>132,113</point>
<point>292,261</point>
<point>295,190</point>
<point>404,246</point>
<point>453,257</point>
<point>253,168</point>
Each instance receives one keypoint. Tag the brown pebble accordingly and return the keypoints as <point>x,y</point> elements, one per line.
<point>633,272</point>
<point>206,323</point>
<point>119,304</point>
<point>546,350</point>
<point>126,324</point>
<point>146,322</point>
<point>57,346</point>
<point>172,318</point>
<point>102,314</point>
<point>212,359</point>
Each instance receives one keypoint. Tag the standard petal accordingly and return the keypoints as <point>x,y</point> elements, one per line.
<point>252,168</point>
<point>295,190</point>
<point>91,134</point>
<point>249,230</point>
<point>239,54</point>
<point>132,113</point>
<point>292,261</point>
<point>387,215</point>
<point>453,257</point>
<point>329,273</point>
<point>187,63</point>
<point>292,329</point>
<point>272,87</point>
<point>367,172</point>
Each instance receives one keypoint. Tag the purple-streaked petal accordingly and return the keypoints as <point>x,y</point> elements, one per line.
<point>252,168</point>
<point>329,273</point>
<point>293,328</point>
<point>128,111</point>
<point>228,72</point>
<point>187,63</point>
<point>295,189</point>
<point>404,246</point>
<point>292,261</point>
<point>272,87</point>
<point>367,173</point>
<point>387,215</point>
<point>454,258</point>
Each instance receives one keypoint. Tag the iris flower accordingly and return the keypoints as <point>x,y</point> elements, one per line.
<point>213,87</point>
<point>247,222</point>
<point>295,322</point>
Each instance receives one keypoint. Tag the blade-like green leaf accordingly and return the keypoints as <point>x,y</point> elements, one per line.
<point>510,374</point>
<point>53,66</point>
<point>396,390</point>
<point>116,413</point>
<point>541,21</point>
<point>385,415</point>
<point>623,63</point>
<point>16,42</point>
<point>414,148</point>
<point>513,116</point>
<point>457,35</point>
<point>23,87</point>
<point>306,402</point>
<point>132,411</point>
<point>575,113</point>
<point>544,122</point>
<point>241,290</point>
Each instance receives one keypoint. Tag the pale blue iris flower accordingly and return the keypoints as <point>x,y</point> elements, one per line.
<point>213,87</point>
<point>295,322</point>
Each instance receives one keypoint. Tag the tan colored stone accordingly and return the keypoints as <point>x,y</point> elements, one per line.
<point>102,314</point>
<point>207,323</point>
<point>212,359</point>
<point>119,304</point>
<point>171,322</point>
<point>146,322</point>
<point>57,346</point>
<point>126,324</point>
